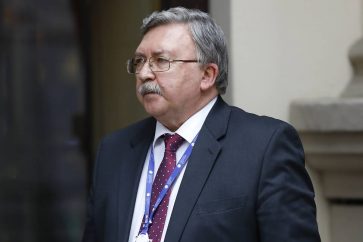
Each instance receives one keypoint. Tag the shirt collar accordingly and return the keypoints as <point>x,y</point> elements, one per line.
<point>189,128</point>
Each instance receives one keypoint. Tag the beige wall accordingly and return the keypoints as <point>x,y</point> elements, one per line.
<point>283,50</point>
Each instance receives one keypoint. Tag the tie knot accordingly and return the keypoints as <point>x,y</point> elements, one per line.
<point>173,142</point>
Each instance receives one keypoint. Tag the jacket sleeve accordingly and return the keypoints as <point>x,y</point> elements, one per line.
<point>286,209</point>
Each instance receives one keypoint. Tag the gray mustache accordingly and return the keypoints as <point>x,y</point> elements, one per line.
<point>149,87</point>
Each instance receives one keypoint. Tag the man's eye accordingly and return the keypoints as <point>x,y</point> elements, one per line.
<point>138,61</point>
<point>161,60</point>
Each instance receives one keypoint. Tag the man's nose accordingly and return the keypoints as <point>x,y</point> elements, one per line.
<point>146,73</point>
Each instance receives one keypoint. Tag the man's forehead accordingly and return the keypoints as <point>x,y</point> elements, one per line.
<point>157,52</point>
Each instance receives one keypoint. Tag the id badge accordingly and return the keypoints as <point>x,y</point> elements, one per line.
<point>143,238</point>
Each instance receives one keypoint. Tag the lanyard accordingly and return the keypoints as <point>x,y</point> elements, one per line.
<point>149,181</point>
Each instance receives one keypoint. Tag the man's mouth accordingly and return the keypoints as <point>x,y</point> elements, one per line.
<point>148,92</point>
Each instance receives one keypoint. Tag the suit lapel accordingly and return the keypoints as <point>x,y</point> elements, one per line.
<point>198,169</point>
<point>130,175</point>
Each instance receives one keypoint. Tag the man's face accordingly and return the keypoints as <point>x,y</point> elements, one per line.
<point>180,91</point>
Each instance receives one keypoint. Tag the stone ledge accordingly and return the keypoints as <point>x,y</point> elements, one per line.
<point>327,114</point>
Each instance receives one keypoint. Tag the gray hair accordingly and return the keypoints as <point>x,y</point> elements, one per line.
<point>208,37</point>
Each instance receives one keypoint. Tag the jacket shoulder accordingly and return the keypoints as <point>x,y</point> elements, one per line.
<point>240,117</point>
<point>259,128</point>
<point>133,131</point>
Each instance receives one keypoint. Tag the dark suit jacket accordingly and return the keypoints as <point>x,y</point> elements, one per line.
<point>245,181</point>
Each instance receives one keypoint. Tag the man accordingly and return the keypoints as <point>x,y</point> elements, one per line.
<point>225,175</point>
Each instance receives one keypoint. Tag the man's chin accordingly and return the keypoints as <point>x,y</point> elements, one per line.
<point>153,104</point>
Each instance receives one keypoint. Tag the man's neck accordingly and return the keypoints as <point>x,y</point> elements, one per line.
<point>190,128</point>
<point>174,121</point>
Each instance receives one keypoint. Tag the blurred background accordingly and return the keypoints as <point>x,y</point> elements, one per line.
<point>63,85</point>
<point>44,125</point>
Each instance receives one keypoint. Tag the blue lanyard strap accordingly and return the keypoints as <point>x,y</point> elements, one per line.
<point>148,216</point>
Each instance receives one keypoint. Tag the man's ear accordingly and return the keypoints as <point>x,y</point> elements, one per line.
<point>209,76</point>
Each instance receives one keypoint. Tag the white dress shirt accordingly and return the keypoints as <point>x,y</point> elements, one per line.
<point>188,131</point>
